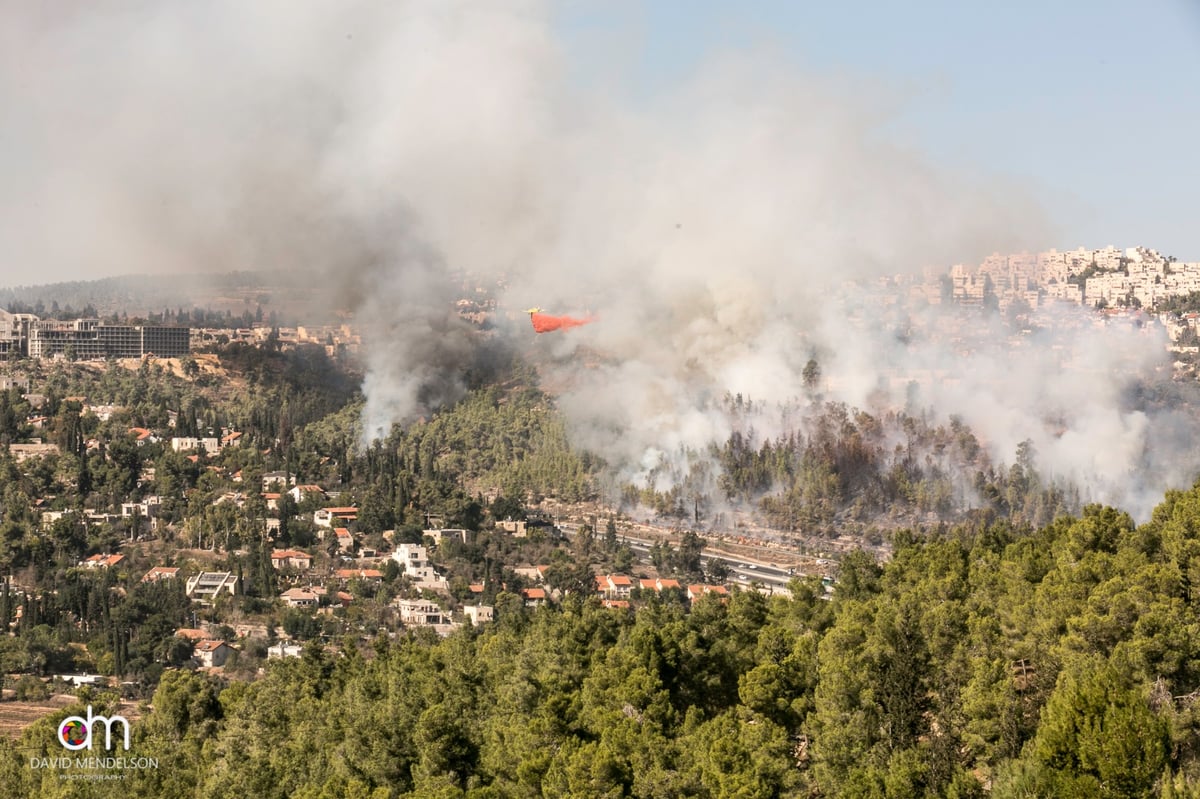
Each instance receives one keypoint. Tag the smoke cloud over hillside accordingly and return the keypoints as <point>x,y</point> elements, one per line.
<point>375,149</point>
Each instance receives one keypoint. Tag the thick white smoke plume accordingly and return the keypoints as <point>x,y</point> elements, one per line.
<point>378,149</point>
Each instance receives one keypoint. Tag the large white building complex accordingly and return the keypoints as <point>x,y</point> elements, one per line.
<point>27,335</point>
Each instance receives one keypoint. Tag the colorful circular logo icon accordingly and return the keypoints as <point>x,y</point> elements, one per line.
<point>73,732</point>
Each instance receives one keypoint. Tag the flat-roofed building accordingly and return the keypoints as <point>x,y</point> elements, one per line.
<point>207,585</point>
<point>421,613</point>
<point>88,338</point>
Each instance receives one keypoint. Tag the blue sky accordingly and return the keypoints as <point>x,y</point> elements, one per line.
<point>1092,105</point>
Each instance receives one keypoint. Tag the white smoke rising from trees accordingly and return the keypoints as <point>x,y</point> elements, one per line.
<point>374,149</point>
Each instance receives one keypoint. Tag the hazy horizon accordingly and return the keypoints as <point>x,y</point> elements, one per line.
<point>157,156</point>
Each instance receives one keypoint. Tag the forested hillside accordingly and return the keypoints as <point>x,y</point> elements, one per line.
<point>839,469</point>
<point>996,660</point>
<point>512,442</point>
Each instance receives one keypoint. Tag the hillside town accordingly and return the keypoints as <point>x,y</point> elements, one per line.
<point>163,513</point>
<point>1108,279</point>
<point>196,501</point>
<point>1136,289</point>
<point>217,506</point>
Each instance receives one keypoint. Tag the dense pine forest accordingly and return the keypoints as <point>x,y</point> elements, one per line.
<point>990,660</point>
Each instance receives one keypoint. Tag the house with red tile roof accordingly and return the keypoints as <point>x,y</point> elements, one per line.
<point>359,574</point>
<point>160,573</point>
<point>191,633</point>
<point>534,597</point>
<point>657,584</point>
<point>290,559</point>
<point>303,492</point>
<point>102,561</point>
<point>325,517</point>
<point>212,653</point>
<point>696,591</point>
<point>299,598</point>
<point>618,586</point>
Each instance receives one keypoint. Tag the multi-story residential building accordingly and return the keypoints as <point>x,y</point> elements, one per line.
<point>479,614</point>
<point>1138,277</point>
<point>415,562</point>
<point>421,613</point>
<point>412,558</point>
<point>89,338</point>
<point>14,333</point>
<point>210,445</point>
